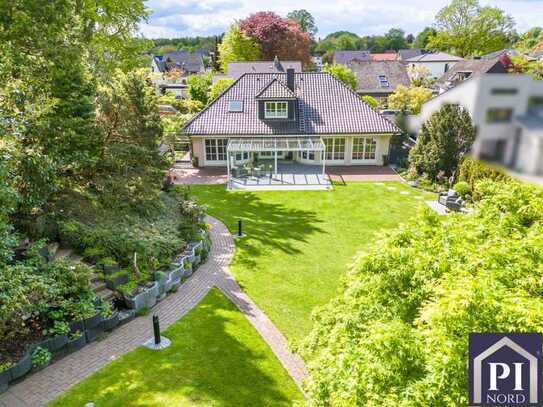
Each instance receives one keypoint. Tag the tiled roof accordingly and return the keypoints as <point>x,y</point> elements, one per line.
<point>474,67</point>
<point>344,57</point>
<point>409,53</point>
<point>276,90</point>
<point>434,57</point>
<point>384,56</point>
<point>368,75</point>
<point>236,69</point>
<point>191,62</point>
<point>324,106</point>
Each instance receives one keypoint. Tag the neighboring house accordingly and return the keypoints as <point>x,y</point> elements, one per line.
<point>507,110</point>
<point>437,63</point>
<point>467,69</point>
<point>405,54</point>
<point>185,62</point>
<point>379,79</point>
<point>167,110</point>
<point>237,69</point>
<point>384,56</point>
<point>345,57</point>
<point>510,52</point>
<point>179,89</point>
<point>307,118</point>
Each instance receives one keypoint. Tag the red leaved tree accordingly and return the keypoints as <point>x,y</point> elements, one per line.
<point>278,36</point>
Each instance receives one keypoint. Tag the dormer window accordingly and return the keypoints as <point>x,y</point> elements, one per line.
<point>383,81</point>
<point>235,106</point>
<point>276,110</point>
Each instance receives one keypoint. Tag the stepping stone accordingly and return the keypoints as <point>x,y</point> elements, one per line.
<point>391,188</point>
<point>419,198</point>
<point>404,192</point>
<point>381,184</point>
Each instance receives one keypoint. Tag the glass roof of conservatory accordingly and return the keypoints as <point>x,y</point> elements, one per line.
<point>276,144</point>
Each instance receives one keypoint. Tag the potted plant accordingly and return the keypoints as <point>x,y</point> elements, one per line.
<point>5,375</point>
<point>58,336</point>
<point>22,367</point>
<point>110,318</point>
<point>76,341</point>
<point>187,265</point>
<point>41,358</point>
<point>109,265</point>
<point>116,279</point>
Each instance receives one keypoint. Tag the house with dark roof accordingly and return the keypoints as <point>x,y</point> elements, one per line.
<point>303,120</point>
<point>467,69</point>
<point>437,63</point>
<point>405,54</point>
<point>379,78</point>
<point>237,69</point>
<point>185,62</point>
<point>345,57</point>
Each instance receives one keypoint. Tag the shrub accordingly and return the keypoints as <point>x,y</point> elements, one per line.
<point>472,171</point>
<point>41,357</point>
<point>370,100</point>
<point>463,189</point>
<point>58,328</point>
<point>397,334</point>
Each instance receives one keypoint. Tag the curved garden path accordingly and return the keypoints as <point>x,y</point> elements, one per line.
<point>47,384</point>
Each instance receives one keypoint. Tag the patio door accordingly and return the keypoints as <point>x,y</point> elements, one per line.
<point>335,150</point>
<point>364,150</point>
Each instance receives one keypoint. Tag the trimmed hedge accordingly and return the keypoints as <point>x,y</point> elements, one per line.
<point>473,171</point>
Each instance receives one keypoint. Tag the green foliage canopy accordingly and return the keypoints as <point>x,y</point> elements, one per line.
<point>397,335</point>
<point>342,73</point>
<point>236,46</point>
<point>219,87</point>
<point>441,144</point>
<point>199,87</point>
<point>464,28</point>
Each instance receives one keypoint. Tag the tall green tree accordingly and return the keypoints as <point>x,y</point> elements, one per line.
<point>131,167</point>
<point>219,87</point>
<point>442,142</point>
<point>395,39</point>
<point>342,73</point>
<point>236,46</point>
<point>305,20</point>
<point>199,87</point>
<point>423,38</point>
<point>467,29</point>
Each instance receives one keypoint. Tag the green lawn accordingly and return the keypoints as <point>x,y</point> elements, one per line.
<point>217,359</point>
<point>300,243</point>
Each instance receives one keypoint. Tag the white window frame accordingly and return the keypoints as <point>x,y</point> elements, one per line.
<point>333,151</point>
<point>215,150</point>
<point>279,110</point>
<point>364,149</point>
<point>307,155</point>
<point>265,155</point>
<point>383,81</point>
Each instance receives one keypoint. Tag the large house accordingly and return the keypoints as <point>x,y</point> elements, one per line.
<point>437,63</point>
<point>185,62</point>
<point>305,118</point>
<point>379,78</point>
<point>467,69</point>
<point>237,69</point>
<point>507,111</point>
<point>346,57</point>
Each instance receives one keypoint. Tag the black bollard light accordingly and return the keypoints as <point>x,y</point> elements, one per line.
<point>239,229</point>
<point>156,329</point>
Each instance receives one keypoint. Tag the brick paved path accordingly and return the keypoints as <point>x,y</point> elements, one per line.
<point>44,386</point>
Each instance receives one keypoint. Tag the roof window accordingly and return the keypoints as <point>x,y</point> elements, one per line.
<point>383,81</point>
<point>235,106</point>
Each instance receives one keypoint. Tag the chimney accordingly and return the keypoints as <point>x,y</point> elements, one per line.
<point>276,63</point>
<point>290,79</point>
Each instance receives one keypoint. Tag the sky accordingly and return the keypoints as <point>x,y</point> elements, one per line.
<point>188,18</point>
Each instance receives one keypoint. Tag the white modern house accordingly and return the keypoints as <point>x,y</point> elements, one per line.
<point>507,111</point>
<point>437,63</point>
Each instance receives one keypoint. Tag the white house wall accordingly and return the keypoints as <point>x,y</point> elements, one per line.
<point>382,148</point>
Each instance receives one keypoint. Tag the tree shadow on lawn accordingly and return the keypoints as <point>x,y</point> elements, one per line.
<point>271,224</point>
<point>206,364</point>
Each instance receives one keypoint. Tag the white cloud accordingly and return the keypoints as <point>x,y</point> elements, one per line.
<point>175,18</point>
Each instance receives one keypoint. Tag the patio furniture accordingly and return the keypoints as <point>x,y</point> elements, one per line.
<point>451,200</point>
<point>258,171</point>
